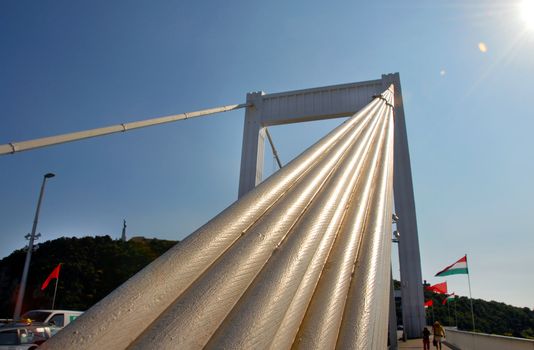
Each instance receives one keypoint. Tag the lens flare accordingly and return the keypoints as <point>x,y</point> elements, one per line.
<point>526,9</point>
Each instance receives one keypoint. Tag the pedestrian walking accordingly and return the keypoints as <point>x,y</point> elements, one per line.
<point>439,333</point>
<point>426,339</point>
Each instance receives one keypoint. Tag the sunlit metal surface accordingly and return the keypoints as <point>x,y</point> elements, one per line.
<point>14,147</point>
<point>302,260</point>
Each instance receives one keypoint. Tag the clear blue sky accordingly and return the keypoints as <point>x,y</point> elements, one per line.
<point>72,65</point>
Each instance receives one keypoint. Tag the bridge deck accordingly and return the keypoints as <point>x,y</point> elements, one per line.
<point>418,344</point>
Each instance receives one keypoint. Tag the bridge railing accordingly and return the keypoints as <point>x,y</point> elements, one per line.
<point>481,341</point>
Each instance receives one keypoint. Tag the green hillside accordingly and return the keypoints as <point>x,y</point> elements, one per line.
<point>92,268</point>
<point>491,317</point>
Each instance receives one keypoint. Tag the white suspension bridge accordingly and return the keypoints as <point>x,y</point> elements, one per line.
<point>300,260</point>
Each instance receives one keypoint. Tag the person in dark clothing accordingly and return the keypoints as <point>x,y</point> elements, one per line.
<point>426,339</point>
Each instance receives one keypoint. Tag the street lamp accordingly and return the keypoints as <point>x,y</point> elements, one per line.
<point>32,238</point>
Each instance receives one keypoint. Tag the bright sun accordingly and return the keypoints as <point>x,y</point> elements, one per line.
<point>527,12</point>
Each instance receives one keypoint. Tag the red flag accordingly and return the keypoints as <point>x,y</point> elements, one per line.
<point>54,274</point>
<point>438,288</point>
<point>428,303</point>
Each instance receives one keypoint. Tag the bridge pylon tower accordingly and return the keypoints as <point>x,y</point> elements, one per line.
<point>337,101</point>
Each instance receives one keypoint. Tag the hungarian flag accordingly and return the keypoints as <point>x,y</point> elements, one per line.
<point>54,274</point>
<point>428,303</point>
<point>440,288</point>
<point>449,297</point>
<point>459,267</point>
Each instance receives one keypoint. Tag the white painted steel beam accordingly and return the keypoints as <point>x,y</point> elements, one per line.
<point>253,145</point>
<point>294,107</point>
<point>317,103</point>
<point>14,147</point>
<point>412,297</point>
<point>247,279</point>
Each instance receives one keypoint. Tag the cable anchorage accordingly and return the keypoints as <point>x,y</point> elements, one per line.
<point>383,98</point>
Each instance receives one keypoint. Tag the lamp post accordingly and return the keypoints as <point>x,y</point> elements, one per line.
<point>32,238</point>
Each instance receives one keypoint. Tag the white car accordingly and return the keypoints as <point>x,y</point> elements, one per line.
<point>23,337</point>
<point>59,318</point>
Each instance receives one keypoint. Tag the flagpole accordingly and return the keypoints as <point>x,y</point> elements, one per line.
<point>455,314</point>
<point>470,296</point>
<point>55,291</point>
<point>449,312</point>
<point>432,313</point>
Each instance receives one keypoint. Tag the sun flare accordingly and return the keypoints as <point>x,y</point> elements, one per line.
<point>526,8</point>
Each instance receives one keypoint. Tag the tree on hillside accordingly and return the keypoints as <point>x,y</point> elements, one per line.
<point>490,316</point>
<point>92,268</point>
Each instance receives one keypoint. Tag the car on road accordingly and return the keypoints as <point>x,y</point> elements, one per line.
<point>59,318</point>
<point>23,337</point>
